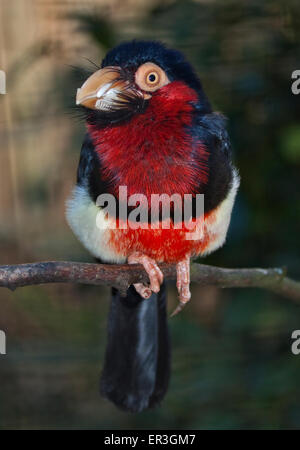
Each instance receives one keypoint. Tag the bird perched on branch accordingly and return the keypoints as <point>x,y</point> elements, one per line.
<point>150,130</point>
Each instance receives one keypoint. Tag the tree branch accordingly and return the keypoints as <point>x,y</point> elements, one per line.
<point>122,276</point>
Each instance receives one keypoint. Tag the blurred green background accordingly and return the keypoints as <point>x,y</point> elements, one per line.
<point>232,363</point>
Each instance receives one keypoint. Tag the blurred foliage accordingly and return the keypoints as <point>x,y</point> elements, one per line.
<point>232,367</point>
<point>96,27</point>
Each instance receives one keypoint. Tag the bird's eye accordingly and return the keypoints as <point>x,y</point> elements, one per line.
<point>150,77</point>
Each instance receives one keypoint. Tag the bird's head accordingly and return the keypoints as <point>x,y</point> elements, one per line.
<point>135,75</point>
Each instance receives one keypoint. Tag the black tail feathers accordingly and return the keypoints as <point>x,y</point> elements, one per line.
<point>137,361</point>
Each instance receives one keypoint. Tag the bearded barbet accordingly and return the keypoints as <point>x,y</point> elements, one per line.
<point>151,130</point>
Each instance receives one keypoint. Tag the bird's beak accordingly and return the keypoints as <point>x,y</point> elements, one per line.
<point>106,90</point>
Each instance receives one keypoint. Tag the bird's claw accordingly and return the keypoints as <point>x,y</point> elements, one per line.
<point>178,308</point>
<point>154,273</point>
<point>183,284</point>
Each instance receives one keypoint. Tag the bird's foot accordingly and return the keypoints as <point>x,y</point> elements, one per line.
<point>183,284</point>
<point>154,273</point>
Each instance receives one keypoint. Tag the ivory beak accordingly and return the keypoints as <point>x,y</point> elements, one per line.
<point>104,89</point>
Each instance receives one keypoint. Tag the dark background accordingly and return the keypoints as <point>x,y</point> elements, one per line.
<point>232,362</point>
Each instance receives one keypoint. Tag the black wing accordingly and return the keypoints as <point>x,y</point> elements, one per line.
<point>210,129</point>
<point>89,171</point>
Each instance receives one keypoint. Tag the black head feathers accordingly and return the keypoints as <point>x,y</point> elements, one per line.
<point>135,53</point>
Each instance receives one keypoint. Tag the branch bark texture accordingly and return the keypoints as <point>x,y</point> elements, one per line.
<point>122,276</point>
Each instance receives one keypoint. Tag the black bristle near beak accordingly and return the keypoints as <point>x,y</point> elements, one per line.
<point>119,111</point>
<point>128,103</point>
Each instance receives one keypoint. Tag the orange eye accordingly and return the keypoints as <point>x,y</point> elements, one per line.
<point>150,77</point>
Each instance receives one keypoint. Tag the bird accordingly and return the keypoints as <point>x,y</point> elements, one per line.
<point>150,130</point>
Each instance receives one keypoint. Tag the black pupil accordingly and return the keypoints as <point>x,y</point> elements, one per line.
<point>152,77</point>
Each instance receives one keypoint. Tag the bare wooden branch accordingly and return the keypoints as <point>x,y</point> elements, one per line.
<point>122,276</point>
